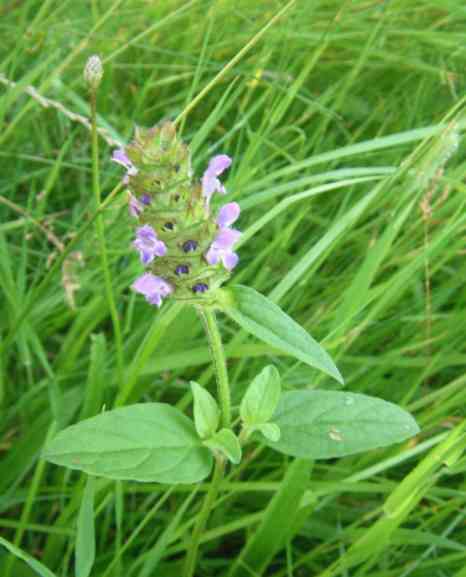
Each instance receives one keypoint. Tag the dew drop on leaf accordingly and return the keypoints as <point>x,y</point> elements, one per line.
<point>335,434</point>
<point>349,401</point>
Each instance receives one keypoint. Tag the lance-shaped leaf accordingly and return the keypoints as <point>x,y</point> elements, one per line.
<point>264,319</point>
<point>144,442</point>
<point>327,424</point>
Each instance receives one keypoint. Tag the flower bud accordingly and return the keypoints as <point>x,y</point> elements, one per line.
<point>93,72</point>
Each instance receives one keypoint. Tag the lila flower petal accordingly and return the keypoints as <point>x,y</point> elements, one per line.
<point>228,214</point>
<point>120,157</point>
<point>218,164</point>
<point>210,182</point>
<point>154,288</point>
<point>230,260</point>
<point>135,207</point>
<point>213,255</point>
<point>221,248</point>
<point>148,245</point>
<point>226,238</point>
<point>226,256</point>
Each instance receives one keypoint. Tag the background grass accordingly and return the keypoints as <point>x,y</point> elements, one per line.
<point>344,122</point>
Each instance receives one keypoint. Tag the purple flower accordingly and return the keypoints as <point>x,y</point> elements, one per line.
<point>135,206</point>
<point>221,248</point>
<point>154,288</point>
<point>119,156</point>
<point>228,214</point>
<point>210,182</point>
<point>148,245</point>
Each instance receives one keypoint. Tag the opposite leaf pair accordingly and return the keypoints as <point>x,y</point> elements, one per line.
<point>156,442</point>
<point>256,410</point>
<point>207,419</point>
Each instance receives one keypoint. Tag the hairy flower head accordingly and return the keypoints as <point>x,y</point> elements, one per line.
<point>187,253</point>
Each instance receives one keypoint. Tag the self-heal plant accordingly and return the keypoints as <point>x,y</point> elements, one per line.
<point>187,254</point>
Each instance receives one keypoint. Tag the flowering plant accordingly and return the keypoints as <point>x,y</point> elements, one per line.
<point>187,254</point>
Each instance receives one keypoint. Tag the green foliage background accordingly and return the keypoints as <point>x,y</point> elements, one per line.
<point>370,262</point>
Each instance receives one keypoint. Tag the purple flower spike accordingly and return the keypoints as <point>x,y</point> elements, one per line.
<point>119,156</point>
<point>148,245</point>
<point>210,182</point>
<point>228,214</point>
<point>221,248</point>
<point>154,288</point>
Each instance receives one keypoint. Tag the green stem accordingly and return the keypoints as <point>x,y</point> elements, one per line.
<point>218,356</point>
<point>223,387</point>
<point>101,238</point>
<point>207,506</point>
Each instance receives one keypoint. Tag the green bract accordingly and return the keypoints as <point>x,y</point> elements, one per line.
<point>143,442</point>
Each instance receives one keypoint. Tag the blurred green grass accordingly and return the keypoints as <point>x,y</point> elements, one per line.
<point>344,122</point>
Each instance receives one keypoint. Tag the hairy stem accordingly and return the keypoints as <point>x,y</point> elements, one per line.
<point>218,356</point>
<point>207,505</point>
<point>223,388</point>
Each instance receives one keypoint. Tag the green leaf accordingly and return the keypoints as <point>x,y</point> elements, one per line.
<point>327,424</point>
<point>144,442</point>
<point>264,319</point>
<point>206,411</point>
<point>271,431</point>
<point>85,538</point>
<point>277,524</point>
<point>35,565</point>
<point>261,398</point>
<point>226,443</point>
